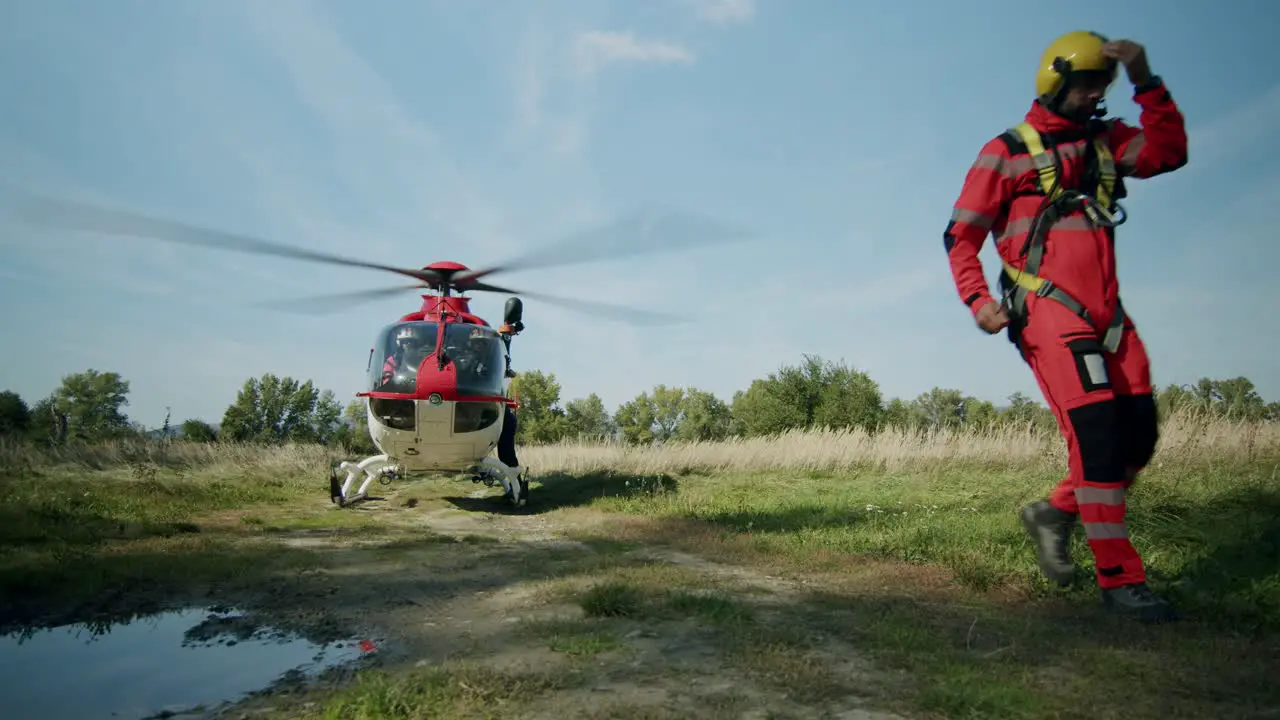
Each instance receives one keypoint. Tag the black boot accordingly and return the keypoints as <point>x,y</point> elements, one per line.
<point>1138,600</point>
<point>1050,530</point>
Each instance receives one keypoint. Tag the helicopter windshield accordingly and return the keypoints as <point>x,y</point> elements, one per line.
<point>479,356</point>
<point>399,350</point>
<point>477,353</point>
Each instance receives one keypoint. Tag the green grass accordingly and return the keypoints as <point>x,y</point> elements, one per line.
<point>1211,541</point>
<point>453,690</point>
<point>931,573</point>
<point>575,637</point>
<point>923,571</point>
<point>76,542</point>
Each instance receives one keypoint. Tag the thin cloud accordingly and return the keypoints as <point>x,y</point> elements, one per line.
<point>387,155</point>
<point>598,48</point>
<point>1237,130</point>
<point>725,12</point>
<point>551,110</point>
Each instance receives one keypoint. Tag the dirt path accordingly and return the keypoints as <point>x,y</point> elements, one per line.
<point>596,629</point>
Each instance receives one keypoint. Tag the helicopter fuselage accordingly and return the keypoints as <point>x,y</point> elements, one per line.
<point>435,435</point>
<point>437,392</point>
<point>437,387</point>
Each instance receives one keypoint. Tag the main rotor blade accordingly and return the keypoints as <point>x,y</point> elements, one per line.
<point>630,315</point>
<point>320,304</point>
<point>654,230</point>
<point>84,217</point>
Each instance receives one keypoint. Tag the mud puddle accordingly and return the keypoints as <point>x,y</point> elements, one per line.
<point>172,664</point>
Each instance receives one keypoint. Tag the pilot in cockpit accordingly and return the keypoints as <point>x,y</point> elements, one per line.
<point>474,355</point>
<point>412,345</point>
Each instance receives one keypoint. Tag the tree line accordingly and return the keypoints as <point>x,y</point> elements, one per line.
<point>90,407</point>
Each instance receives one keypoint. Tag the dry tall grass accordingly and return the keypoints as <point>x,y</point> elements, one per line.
<point>1185,437</point>
<point>27,457</point>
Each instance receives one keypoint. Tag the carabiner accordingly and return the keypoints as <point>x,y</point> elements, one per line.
<point>1124,215</point>
<point>1103,217</point>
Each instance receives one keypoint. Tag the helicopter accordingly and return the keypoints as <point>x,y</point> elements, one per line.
<point>438,379</point>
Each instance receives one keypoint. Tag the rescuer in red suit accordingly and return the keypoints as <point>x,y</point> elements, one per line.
<point>507,440</point>
<point>1046,190</point>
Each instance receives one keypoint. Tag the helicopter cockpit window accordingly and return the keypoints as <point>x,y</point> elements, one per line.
<point>479,356</point>
<point>399,351</point>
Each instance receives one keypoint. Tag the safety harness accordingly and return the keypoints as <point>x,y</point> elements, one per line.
<point>1060,203</point>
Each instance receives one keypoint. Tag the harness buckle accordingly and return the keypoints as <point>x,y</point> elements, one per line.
<point>1069,201</point>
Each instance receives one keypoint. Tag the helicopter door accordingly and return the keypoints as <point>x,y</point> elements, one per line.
<point>435,425</point>
<point>435,419</point>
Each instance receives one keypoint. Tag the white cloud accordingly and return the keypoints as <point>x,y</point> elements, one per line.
<point>597,48</point>
<point>386,153</point>
<point>551,111</point>
<point>530,87</point>
<point>724,12</point>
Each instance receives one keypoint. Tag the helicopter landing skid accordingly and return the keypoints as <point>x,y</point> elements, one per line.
<point>376,467</point>
<point>492,471</point>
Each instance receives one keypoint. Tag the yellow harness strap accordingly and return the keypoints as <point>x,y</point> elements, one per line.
<point>1098,211</point>
<point>1047,170</point>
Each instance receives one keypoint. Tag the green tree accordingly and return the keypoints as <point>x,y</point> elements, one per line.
<point>900,414</point>
<point>674,413</point>
<point>541,419</point>
<point>326,417</point>
<point>704,417</point>
<point>194,430</point>
<point>47,424</point>
<point>1022,411</point>
<point>586,418</point>
<point>1234,398</point>
<point>941,408</point>
<point>668,410</point>
<point>15,416</point>
<point>352,432</point>
<point>356,414</point>
<point>979,414</point>
<point>637,420</point>
<point>91,405</point>
<point>847,399</point>
<point>1238,399</point>
<point>1175,397</point>
<point>651,416</point>
<point>272,409</point>
<point>815,393</point>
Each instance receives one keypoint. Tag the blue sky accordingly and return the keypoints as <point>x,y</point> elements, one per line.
<point>407,133</point>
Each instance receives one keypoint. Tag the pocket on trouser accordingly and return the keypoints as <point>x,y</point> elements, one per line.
<point>1091,363</point>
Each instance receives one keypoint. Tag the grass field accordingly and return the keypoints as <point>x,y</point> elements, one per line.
<point>802,576</point>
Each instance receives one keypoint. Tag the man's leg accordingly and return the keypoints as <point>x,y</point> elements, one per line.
<point>507,451</point>
<point>1130,369</point>
<point>1071,364</point>
<point>1051,522</point>
<point>1130,372</point>
<point>507,440</point>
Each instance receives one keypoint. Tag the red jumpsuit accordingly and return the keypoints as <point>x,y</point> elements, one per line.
<point>1103,402</point>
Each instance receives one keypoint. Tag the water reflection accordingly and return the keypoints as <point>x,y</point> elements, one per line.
<point>170,661</point>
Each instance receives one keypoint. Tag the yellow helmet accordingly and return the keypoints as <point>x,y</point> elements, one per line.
<point>1076,51</point>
